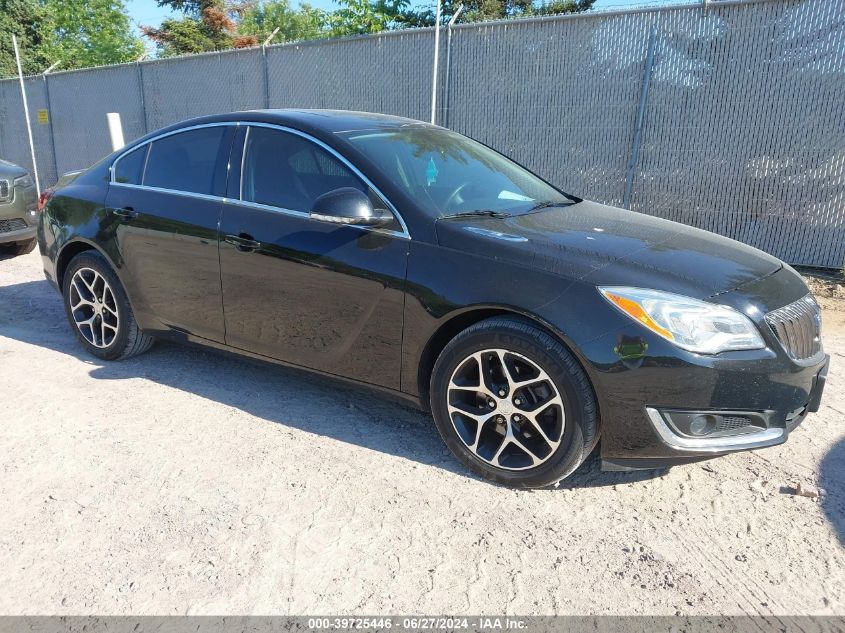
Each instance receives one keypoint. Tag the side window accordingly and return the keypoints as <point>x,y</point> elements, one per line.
<point>130,168</point>
<point>188,161</point>
<point>290,172</point>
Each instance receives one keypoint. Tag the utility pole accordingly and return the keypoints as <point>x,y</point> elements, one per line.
<point>26,115</point>
<point>436,59</point>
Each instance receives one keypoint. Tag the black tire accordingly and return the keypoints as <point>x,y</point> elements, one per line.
<point>580,430</point>
<point>129,340</point>
<point>19,248</point>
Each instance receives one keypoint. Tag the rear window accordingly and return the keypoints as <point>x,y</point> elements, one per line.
<point>187,161</point>
<point>130,168</point>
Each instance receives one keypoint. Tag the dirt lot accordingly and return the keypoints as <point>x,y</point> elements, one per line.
<point>184,481</point>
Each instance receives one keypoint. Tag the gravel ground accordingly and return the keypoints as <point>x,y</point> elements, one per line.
<point>186,481</point>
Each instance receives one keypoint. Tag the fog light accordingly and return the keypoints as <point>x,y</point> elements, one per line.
<point>715,423</point>
<point>702,424</point>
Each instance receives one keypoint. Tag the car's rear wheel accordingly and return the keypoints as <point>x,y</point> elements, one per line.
<point>98,310</point>
<point>19,248</point>
<point>513,404</point>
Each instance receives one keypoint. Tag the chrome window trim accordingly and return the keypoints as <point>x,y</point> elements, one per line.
<point>404,233</point>
<point>268,207</point>
<point>276,126</point>
<point>186,194</point>
<point>243,162</point>
<point>147,153</point>
<point>113,167</point>
<point>159,137</point>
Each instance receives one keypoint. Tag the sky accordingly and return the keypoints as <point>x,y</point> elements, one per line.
<point>148,12</point>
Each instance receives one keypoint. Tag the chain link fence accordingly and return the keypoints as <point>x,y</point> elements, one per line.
<point>729,116</point>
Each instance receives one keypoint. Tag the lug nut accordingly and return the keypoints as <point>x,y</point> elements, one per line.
<point>491,404</point>
<point>502,393</point>
<point>516,418</point>
<point>517,401</point>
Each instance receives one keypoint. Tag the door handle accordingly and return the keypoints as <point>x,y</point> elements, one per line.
<point>126,213</point>
<point>243,242</point>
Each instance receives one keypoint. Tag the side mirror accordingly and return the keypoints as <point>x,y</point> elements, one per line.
<point>349,206</point>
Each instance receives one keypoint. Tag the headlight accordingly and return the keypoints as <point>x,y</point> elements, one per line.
<point>23,181</point>
<point>694,325</point>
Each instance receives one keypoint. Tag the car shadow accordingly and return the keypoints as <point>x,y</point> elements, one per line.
<point>832,480</point>
<point>4,254</point>
<point>32,312</point>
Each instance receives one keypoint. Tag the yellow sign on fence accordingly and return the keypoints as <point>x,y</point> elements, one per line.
<point>44,116</point>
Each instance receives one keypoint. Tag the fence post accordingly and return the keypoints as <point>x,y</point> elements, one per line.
<point>266,74</point>
<point>635,147</point>
<point>26,117</point>
<point>436,60</point>
<point>143,97</point>
<point>446,90</point>
<point>50,122</point>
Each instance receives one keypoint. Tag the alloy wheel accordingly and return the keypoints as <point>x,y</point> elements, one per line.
<point>506,409</point>
<point>93,307</point>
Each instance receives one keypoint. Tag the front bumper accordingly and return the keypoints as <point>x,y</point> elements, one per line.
<point>22,208</point>
<point>656,443</point>
<point>768,436</point>
<point>20,235</point>
<point>642,381</point>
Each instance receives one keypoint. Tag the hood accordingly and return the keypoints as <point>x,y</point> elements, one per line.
<point>10,170</point>
<point>607,246</point>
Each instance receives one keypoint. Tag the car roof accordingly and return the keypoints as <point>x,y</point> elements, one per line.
<point>327,121</point>
<point>322,124</point>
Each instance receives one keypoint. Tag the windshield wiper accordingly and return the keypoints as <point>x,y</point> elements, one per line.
<point>545,204</point>
<point>475,213</point>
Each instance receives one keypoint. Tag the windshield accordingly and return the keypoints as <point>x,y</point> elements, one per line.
<point>448,174</point>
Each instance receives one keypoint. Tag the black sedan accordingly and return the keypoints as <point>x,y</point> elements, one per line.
<point>410,258</point>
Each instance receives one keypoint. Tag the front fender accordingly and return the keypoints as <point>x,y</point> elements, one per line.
<point>436,297</point>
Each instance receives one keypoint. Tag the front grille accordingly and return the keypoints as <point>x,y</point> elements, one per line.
<point>15,224</point>
<point>798,327</point>
<point>5,191</point>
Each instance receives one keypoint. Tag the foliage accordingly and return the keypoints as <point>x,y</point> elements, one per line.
<point>480,10</point>
<point>207,25</point>
<point>186,35</point>
<point>82,33</point>
<point>25,19</point>
<point>75,33</point>
<point>359,17</point>
<point>294,24</point>
<point>210,25</point>
<point>86,33</point>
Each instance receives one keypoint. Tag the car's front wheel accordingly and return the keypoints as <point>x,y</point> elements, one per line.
<point>513,404</point>
<point>98,310</point>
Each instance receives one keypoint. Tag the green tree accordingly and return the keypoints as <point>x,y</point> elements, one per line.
<point>359,17</point>
<point>480,10</point>
<point>294,24</point>
<point>25,19</point>
<point>84,33</point>
<point>208,25</point>
<point>563,6</point>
